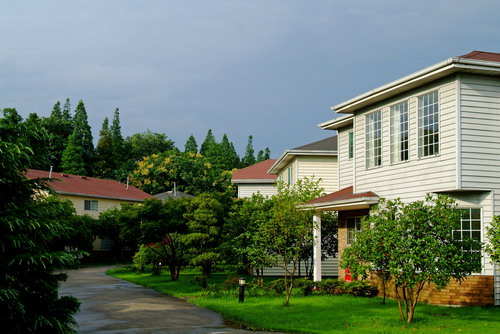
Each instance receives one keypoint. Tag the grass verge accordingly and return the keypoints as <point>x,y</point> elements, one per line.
<point>323,313</point>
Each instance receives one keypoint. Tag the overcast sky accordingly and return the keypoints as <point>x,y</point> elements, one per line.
<point>271,69</point>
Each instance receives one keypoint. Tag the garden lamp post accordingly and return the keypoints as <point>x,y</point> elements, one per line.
<point>242,289</point>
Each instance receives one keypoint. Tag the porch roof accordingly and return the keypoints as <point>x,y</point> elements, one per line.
<point>344,199</point>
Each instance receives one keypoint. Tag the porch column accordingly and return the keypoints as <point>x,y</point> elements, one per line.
<point>317,247</point>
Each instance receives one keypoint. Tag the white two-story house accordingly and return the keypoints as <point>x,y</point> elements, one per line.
<point>433,131</point>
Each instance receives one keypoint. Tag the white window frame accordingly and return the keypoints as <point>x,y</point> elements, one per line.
<point>91,205</point>
<point>428,118</point>
<point>399,132</point>
<point>373,139</point>
<point>351,231</point>
<point>466,226</point>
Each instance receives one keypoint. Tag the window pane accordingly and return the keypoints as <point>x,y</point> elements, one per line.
<point>428,124</point>
<point>373,139</point>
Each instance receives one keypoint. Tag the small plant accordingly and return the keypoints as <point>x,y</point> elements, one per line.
<point>212,290</point>
<point>360,288</point>
<point>277,286</point>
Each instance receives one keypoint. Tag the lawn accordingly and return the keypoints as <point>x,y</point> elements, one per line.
<point>322,313</point>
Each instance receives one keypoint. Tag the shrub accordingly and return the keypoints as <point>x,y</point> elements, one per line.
<point>277,286</point>
<point>330,287</point>
<point>360,288</point>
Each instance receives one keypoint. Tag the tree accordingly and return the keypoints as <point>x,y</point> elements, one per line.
<point>117,140</point>
<point>83,134</point>
<point>413,243</point>
<point>66,111</point>
<point>228,158</point>
<point>493,234</point>
<point>249,157</point>
<point>72,157</point>
<point>192,173</point>
<point>263,154</point>
<point>144,144</point>
<point>289,231</point>
<point>59,127</point>
<point>209,146</point>
<point>191,146</point>
<point>29,228</point>
<point>104,158</point>
<point>205,218</point>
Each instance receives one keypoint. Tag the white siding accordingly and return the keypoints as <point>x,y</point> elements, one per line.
<point>345,164</point>
<point>321,167</point>
<point>410,180</point>
<point>480,132</point>
<point>293,169</point>
<point>247,190</point>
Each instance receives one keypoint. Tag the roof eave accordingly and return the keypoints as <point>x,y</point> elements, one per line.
<point>68,193</point>
<point>342,205</point>
<point>337,123</point>
<point>416,79</point>
<point>288,156</point>
<point>269,181</point>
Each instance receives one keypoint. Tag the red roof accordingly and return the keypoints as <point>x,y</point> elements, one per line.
<point>342,194</point>
<point>256,172</point>
<point>67,184</point>
<point>482,55</point>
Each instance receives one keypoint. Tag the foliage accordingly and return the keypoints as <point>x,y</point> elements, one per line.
<point>105,163</point>
<point>249,157</point>
<point>289,231</point>
<point>192,173</point>
<point>205,218</point>
<point>146,255</point>
<point>29,252</point>
<point>414,244</point>
<point>82,139</point>
<point>72,157</point>
<point>191,145</point>
<point>493,234</point>
<point>144,144</point>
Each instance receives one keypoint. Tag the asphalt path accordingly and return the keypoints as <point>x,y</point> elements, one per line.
<point>110,305</point>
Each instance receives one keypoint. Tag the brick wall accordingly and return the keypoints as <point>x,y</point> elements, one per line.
<point>474,290</point>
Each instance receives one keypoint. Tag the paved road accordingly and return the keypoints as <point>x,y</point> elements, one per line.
<point>110,305</point>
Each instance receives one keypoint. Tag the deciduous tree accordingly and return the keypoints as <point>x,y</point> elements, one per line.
<point>413,243</point>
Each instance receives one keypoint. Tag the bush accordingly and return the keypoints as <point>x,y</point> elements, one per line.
<point>360,288</point>
<point>144,257</point>
<point>305,285</point>
<point>330,287</point>
<point>277,286</point>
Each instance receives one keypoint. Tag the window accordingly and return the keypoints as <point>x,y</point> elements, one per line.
<point>373,139</point>
<point>90,205</point>
<point>470,228</point>
<point>470,225</point>
<point>351,145</point>
<point>353,226</point>
<point>399,132</point>
<point>428,125</point>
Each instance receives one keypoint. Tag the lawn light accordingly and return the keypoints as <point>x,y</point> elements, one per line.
<point>242,289</point>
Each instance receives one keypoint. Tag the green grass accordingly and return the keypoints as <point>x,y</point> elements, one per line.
<point>324,314</point>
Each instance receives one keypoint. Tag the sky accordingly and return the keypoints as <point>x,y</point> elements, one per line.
<point>267,68</point>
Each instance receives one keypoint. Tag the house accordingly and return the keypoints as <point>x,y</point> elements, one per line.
<point>255,179</point>
<point>318,159</point>
<point>90,195</point>
<point>433,131</point>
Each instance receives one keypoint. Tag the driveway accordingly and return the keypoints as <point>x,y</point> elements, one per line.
<point>110,305</point>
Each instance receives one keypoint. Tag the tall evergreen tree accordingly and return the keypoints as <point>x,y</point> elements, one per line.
<point>72,157</point>
<point>209,146</point>
<point>83,133</point>
<point>105,163</point>
<point>263,154</point>
<point>228,157</point>
<point>191,145</point>
<point>249,157</point>
<point>117,139</point>
<point>59,128</point>
<point>66,111</point>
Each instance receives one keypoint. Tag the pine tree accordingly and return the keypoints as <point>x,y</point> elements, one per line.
<point>83,133</point>
<point>229,158</point>
<point>263,154</point>
<point>66,112</point>
<point>208,147</point>
<point>249,158</point>
<point>59,128</point>
<point>191,145</point>
<point>105,162</point>
<point>267,153</point>
<point>72,157</point>
<point>118,143</point>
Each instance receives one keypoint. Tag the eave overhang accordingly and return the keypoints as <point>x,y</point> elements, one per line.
<point>289,155</point>
<point>337,123</point>
<point>67,193</point>
<point>429,74</point>
<point>260,181</point>
<point>342,205</point>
